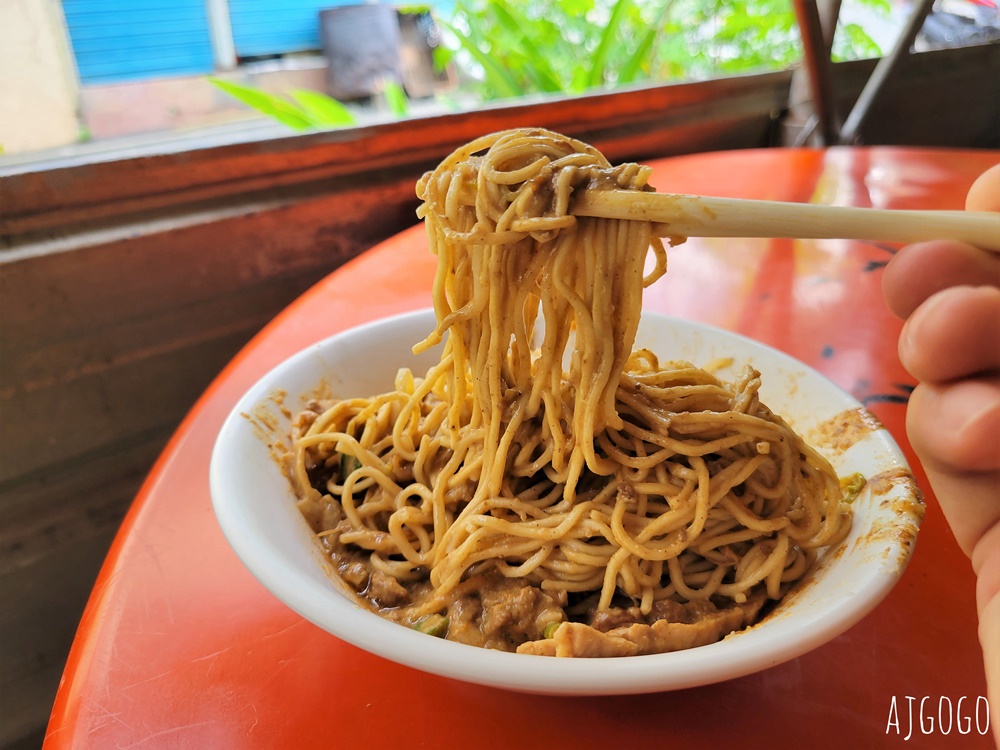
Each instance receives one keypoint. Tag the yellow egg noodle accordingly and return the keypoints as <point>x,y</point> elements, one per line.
<point>541,452</point>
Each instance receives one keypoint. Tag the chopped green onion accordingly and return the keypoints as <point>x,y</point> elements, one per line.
<point>348,464</point>
<point>852,485</point>
<point>432,625</point>
<point>550,630</point>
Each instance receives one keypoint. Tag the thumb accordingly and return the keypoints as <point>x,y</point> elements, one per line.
<point>984,195</point>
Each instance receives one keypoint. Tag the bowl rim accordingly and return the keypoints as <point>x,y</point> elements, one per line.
<point>755,649</point>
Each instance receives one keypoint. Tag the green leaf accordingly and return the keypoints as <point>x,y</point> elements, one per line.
<point>638,60</point>
<point>322,110</point>
<point>269,104</point>
<point>580,82</point>
<point>537,65</point>
<point>442,57</point>
<point>883,6</point>
<point>604,46</point>
<point>642,58</point>
<point>395,97</point>
<point>502,82</point>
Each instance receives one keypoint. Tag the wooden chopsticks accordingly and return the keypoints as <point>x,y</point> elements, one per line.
<point>700,216</point>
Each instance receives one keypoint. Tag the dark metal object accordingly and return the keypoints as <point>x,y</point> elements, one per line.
<point>829,13</point>
<point>850,133</point>
<point>361,43</point>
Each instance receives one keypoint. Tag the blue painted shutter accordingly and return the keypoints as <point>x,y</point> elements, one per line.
<point>121,40</point>
<point>275,27</point>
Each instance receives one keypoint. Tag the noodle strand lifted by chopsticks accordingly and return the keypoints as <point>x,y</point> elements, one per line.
<point>541,449</point>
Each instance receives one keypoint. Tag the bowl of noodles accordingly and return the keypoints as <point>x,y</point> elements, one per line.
<point>536,486</point>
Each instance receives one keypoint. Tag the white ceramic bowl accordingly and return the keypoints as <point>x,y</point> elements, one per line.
<point>255,507</point>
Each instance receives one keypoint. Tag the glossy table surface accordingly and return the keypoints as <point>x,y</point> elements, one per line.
<point>180,647</point>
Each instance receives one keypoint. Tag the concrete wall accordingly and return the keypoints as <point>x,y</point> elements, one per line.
<point>186,102</point>
<point>38,89</point>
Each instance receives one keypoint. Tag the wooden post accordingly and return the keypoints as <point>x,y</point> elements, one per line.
<point>817,60</point>
<point>851,132</point>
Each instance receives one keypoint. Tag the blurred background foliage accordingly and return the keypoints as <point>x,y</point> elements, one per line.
<point>504,49</point>
<point>520,47</point>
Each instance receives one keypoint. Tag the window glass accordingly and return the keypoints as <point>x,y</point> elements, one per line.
<point>174,70</point>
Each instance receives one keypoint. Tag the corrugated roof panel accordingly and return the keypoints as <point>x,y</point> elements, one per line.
<point>273,27</point>
<point>119,40</point>
<point>98,32</point>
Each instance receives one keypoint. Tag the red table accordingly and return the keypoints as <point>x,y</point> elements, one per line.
<point>180,647</point>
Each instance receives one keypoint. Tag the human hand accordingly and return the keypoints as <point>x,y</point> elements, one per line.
<point>949,295</point>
